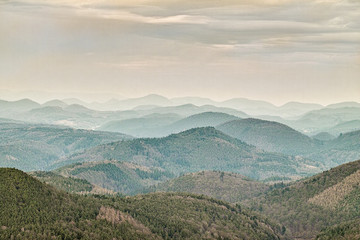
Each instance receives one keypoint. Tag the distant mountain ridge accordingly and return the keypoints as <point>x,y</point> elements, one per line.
<point>325,118</point>
<point>308,118</point>
<point>161,125</point>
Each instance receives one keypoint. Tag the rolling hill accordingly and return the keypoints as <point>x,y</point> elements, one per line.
<point>161,125</point>
<point>72,185</point>
<point>226,186</point>
<point>33,210</point>
<point>298,108</point>
<point>55,103</point>
<point>270,136</point>
<point>10,108</point>
<point>205,119</point>
<point>152,125</point>
<point>308,206</point>
<point>323,119</point>
<point>343,149</point>
<point>198,101</point>
<point>196,150</point>
<point>123,177</point>
<point>345,127</point>
<point>323,136</point>
<point>187,110</point>
<point>34,147</point>
<point>152,99</point>
<point>344,104</point>
<point>347,231</point>
<point>248,105</point>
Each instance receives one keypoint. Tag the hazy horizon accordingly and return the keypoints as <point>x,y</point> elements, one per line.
<point>43,97</point>
<point>272,50</point>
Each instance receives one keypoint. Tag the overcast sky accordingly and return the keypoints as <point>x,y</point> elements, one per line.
<point>274,50</point>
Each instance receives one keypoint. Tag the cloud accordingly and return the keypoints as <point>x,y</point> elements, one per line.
<point>128,16</point>
<point>176,44</point>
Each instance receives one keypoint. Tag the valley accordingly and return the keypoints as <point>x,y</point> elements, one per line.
<point>179,120</point>
<point>222,172</point>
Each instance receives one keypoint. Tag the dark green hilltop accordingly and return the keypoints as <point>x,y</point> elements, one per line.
<point>316,203</point>
<point>199,149</point>
<point>31,209</point>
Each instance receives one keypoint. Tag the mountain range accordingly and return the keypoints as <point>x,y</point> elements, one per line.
<point>183,168</point>
<point>307,118</point>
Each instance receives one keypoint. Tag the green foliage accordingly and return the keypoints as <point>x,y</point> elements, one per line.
<point>344,231</point>
<point>35,147</point>
<point>122,177</point>
<point>31,209</point>
<point>340,150</point>
<point>196,150</point>
<point>184,216</point>
<point>291,205</point>
<point>229,187</point>
<point>68,184</point>
<point>270,136</point>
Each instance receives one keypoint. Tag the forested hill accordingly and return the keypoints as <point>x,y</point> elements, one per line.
<point>270,136</point>
<point>33,210</point>
<point>200,149</point>
<point>36,146</point>
<point>230,187</point>
<point>308,206</point>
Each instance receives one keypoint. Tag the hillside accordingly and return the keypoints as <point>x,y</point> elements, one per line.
<point>33,210</point>
<point>347,231</point>
<point>308,206</point>
<point>35,147</point>
<point>323,136</point>
<point>73,116</point>
<point>9,107</point>
<point>71,185</point>
<point>321,120</point>
<point>199,149</point>
<point>55,103</point>
<point>152,99</point>
<point>123,177</point>
<point>343,149</point>
<point>256,107</point>
<point>295,109</point>
<point>348,141</point>
<point>187,110</point>
<point>187,216</point>
<point>160,125</point>
<point>269,136</point>
<point>230,187</point>
<point>344,104</point>
<point>345,127</point>
<point>205,119</point>
<point>152,125</point>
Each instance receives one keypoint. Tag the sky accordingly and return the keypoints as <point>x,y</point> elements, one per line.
<point>273,50</point>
